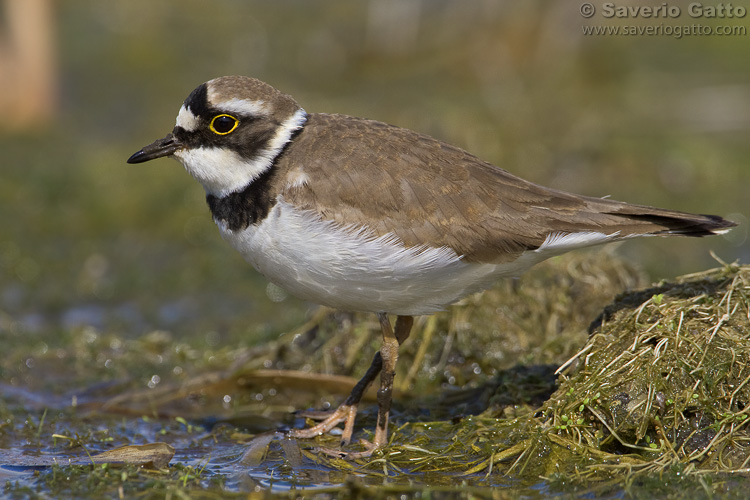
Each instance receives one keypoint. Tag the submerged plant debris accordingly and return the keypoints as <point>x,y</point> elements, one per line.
<point>658,387</point>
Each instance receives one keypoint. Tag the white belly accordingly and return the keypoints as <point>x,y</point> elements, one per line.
<point>347,268</point>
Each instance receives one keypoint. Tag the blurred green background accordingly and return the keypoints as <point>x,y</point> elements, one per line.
<point>88,240</point>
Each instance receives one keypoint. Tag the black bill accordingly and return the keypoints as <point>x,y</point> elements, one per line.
<point>157,149</point>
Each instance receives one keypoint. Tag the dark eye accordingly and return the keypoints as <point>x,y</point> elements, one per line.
<point>223,124</point>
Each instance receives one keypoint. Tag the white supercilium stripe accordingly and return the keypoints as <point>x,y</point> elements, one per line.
<point>245,107</point>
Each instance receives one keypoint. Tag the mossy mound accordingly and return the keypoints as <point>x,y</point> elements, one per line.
<point>665,377</point>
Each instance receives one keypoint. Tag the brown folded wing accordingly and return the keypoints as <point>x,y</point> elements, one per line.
<point>426,192</point>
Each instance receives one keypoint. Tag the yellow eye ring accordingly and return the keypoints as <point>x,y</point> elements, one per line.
<point>223,124</point>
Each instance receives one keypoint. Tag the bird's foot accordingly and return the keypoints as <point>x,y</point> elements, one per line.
<point>369,448</point>
<point>344,413</point>
<point>384,363</point>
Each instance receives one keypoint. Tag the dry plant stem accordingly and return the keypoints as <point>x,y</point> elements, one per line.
<point>347,412</point>
<point>424,344</point>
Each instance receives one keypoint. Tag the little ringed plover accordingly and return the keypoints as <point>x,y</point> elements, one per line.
<point>359,215</point>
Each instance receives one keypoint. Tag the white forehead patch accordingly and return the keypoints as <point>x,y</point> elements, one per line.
<point>187,120</point>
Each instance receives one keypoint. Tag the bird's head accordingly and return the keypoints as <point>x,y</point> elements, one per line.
<point>228,132</point>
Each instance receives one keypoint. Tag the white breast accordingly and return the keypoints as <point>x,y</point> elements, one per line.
<point>348,268</point>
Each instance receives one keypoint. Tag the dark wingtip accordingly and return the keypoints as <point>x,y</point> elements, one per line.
<point>705,225</point>
<point>684,224</point>
<point>718,225</point>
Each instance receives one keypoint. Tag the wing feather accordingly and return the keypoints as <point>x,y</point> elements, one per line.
<point>423,191</point>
